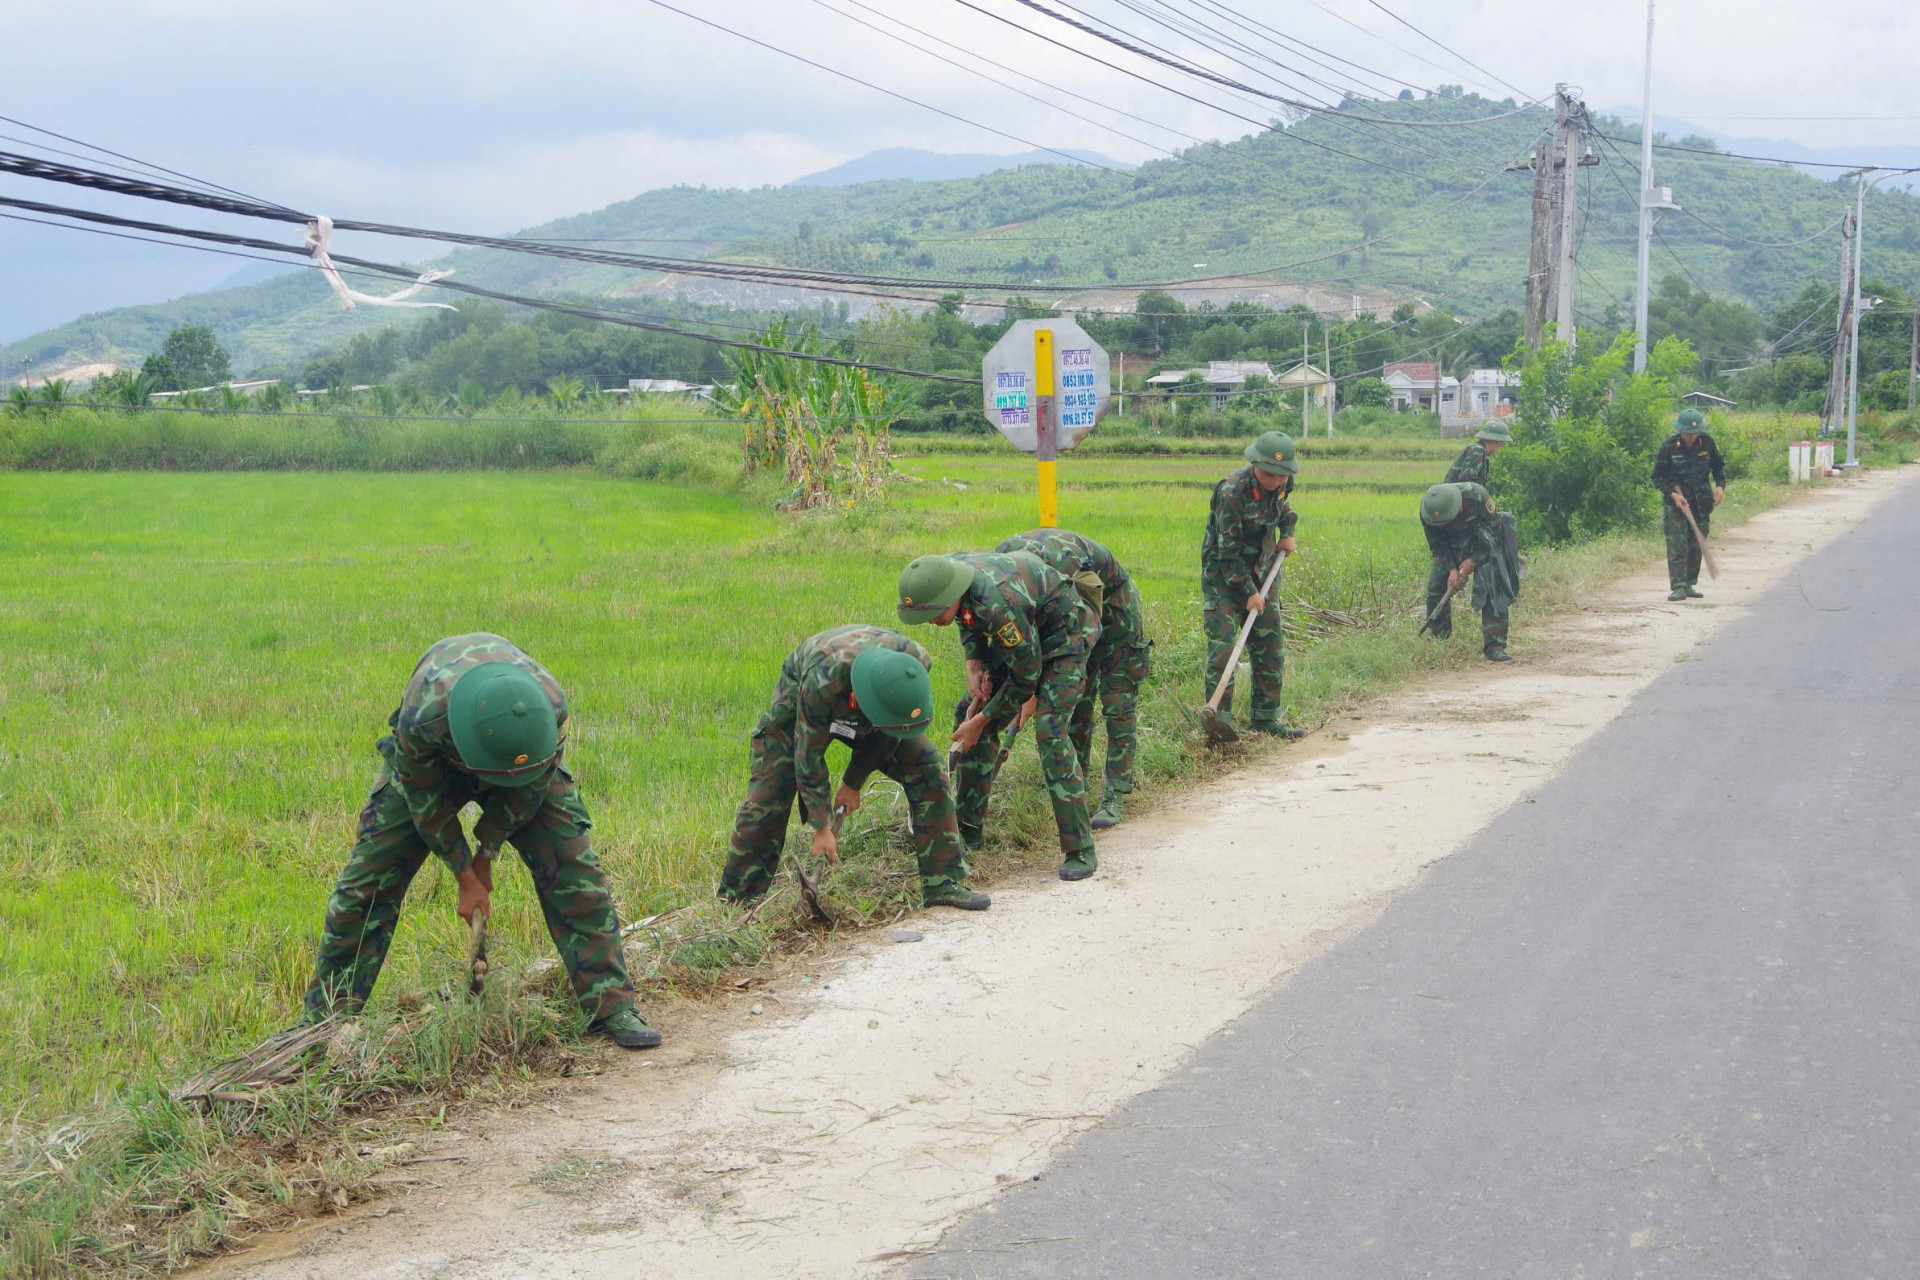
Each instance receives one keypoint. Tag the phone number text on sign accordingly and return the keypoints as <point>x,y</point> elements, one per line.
<point>1079,401</point>
<point>1010,398</point>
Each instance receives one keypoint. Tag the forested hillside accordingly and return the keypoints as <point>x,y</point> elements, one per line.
<point>1285,205</point>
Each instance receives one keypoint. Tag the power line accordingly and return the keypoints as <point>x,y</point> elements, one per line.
<point>1525,96</point>
<point>926,106</point>
<point>1736,155</point>
<point>1192,69</point>
<point>1264,126</point>
<point>32,167</point>
<point>542,304</point>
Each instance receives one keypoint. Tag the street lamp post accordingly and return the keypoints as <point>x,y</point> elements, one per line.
<point>1853,334</point>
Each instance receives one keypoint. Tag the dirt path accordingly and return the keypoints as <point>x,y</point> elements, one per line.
<point>881,1095</point>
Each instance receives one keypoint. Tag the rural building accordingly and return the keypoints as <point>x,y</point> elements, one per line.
<point>1316,381</point>
<point>1704,401</point>
<point>666,387</point>
<point>246,387</point>
<point>1485,394</point>
<point>1223,377</point>
<point>1415,384</point>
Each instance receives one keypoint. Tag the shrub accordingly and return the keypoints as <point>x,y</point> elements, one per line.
<point>1584,437</point>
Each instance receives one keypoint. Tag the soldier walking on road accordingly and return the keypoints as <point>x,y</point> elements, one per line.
<point>867,687</point>
<point>1475,463</point>
<point>1121,660</point>
<point>1468,534</point>
<point>1249,523</point>
<point>480,722</point>
<point>1691,476</point>
<point>1027,632</point>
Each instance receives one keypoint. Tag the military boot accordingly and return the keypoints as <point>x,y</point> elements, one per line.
<point>1679,593</point>
<point>972,835</point>
<point>954,895</point>
<point>1693,594</point>
<point>1280,731</point>
<point>1078,866</point>
<point>1112,808</point>
<point>627,1029</point>
<point>1499,655</point>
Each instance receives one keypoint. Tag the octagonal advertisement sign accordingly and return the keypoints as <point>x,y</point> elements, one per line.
<point>1081,381</point>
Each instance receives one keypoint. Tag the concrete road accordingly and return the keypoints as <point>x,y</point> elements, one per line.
<point>1659,1020</point>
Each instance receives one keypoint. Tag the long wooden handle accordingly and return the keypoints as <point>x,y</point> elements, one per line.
<point>1246,629</point>
<point>1706,552</point>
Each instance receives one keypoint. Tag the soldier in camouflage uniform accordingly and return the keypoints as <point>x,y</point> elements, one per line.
<point>868,688</point>
<point>1027,633</point>
<point>1250,521</point>
<point>480,722</point>
<point>1463,531</point>
<point>1689,473</point>
<point>1475,463</point>
<point>1121,659</point>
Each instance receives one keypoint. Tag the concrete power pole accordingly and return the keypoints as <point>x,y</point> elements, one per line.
<point>1540,248</point>
<point>1913,359</point>
<point>1646,208</point>
<point>1832,408</point>
<point>1568,110</point>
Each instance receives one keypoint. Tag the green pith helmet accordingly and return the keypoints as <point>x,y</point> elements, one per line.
<point>1495,431</point>
<point>1274,453</point>
<point>501,720</point>
<point>1440,504</point>
<point>1690,420</point>
<point>930,585</point>
<point>893,691</point>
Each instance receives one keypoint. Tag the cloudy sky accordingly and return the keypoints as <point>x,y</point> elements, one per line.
<point>489,115</point>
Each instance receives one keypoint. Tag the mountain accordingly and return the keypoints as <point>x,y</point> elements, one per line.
<point>910,164</point>
<point>1278,213</point>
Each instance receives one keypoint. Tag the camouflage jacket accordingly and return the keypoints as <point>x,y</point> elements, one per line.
<point>1690,469</point>
<point>814,700</point>
<point>1473,466</point>
<point>1019,613</point>
<point>1072,555</point>
<point>1471,534</point>
<point>1242,528</point>
<point>428,769</point>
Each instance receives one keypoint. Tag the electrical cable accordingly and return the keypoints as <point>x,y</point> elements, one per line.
<point>32,167</point>
<point>1450,50</point>
<point>144,164</point>
<point>1265,126</point>
<point>926,106</point>
<point>542,304</point>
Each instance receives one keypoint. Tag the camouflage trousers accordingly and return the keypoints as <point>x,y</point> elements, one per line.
<point>1121,662</point>
<point>1063,682</point>
<point>1683,549</point>
<point>1493,621</point>
<point>1224,614</point>
<point>556,849</point>
<point>760,827</point>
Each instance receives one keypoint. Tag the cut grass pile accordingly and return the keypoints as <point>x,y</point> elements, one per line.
<point>199,665</point>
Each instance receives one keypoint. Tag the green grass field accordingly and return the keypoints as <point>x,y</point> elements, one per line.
<point>200,665</point>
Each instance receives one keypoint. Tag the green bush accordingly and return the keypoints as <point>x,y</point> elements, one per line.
<point>1584,436</point>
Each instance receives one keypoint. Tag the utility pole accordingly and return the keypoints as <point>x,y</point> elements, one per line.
<point>1913,358</point>
<point>1306,389</point>
<point>1853,355</point>
<point>1568,111</point>
<point>1330,382</point>
<point>1646,206</point>
<point>1831,407</point>
<point>1539,259</point>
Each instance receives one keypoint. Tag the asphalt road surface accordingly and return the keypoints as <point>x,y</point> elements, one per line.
<point>1659,1020</point>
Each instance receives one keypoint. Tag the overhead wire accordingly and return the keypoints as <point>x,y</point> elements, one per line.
<point>27,166</point>
<point>891,93</point>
